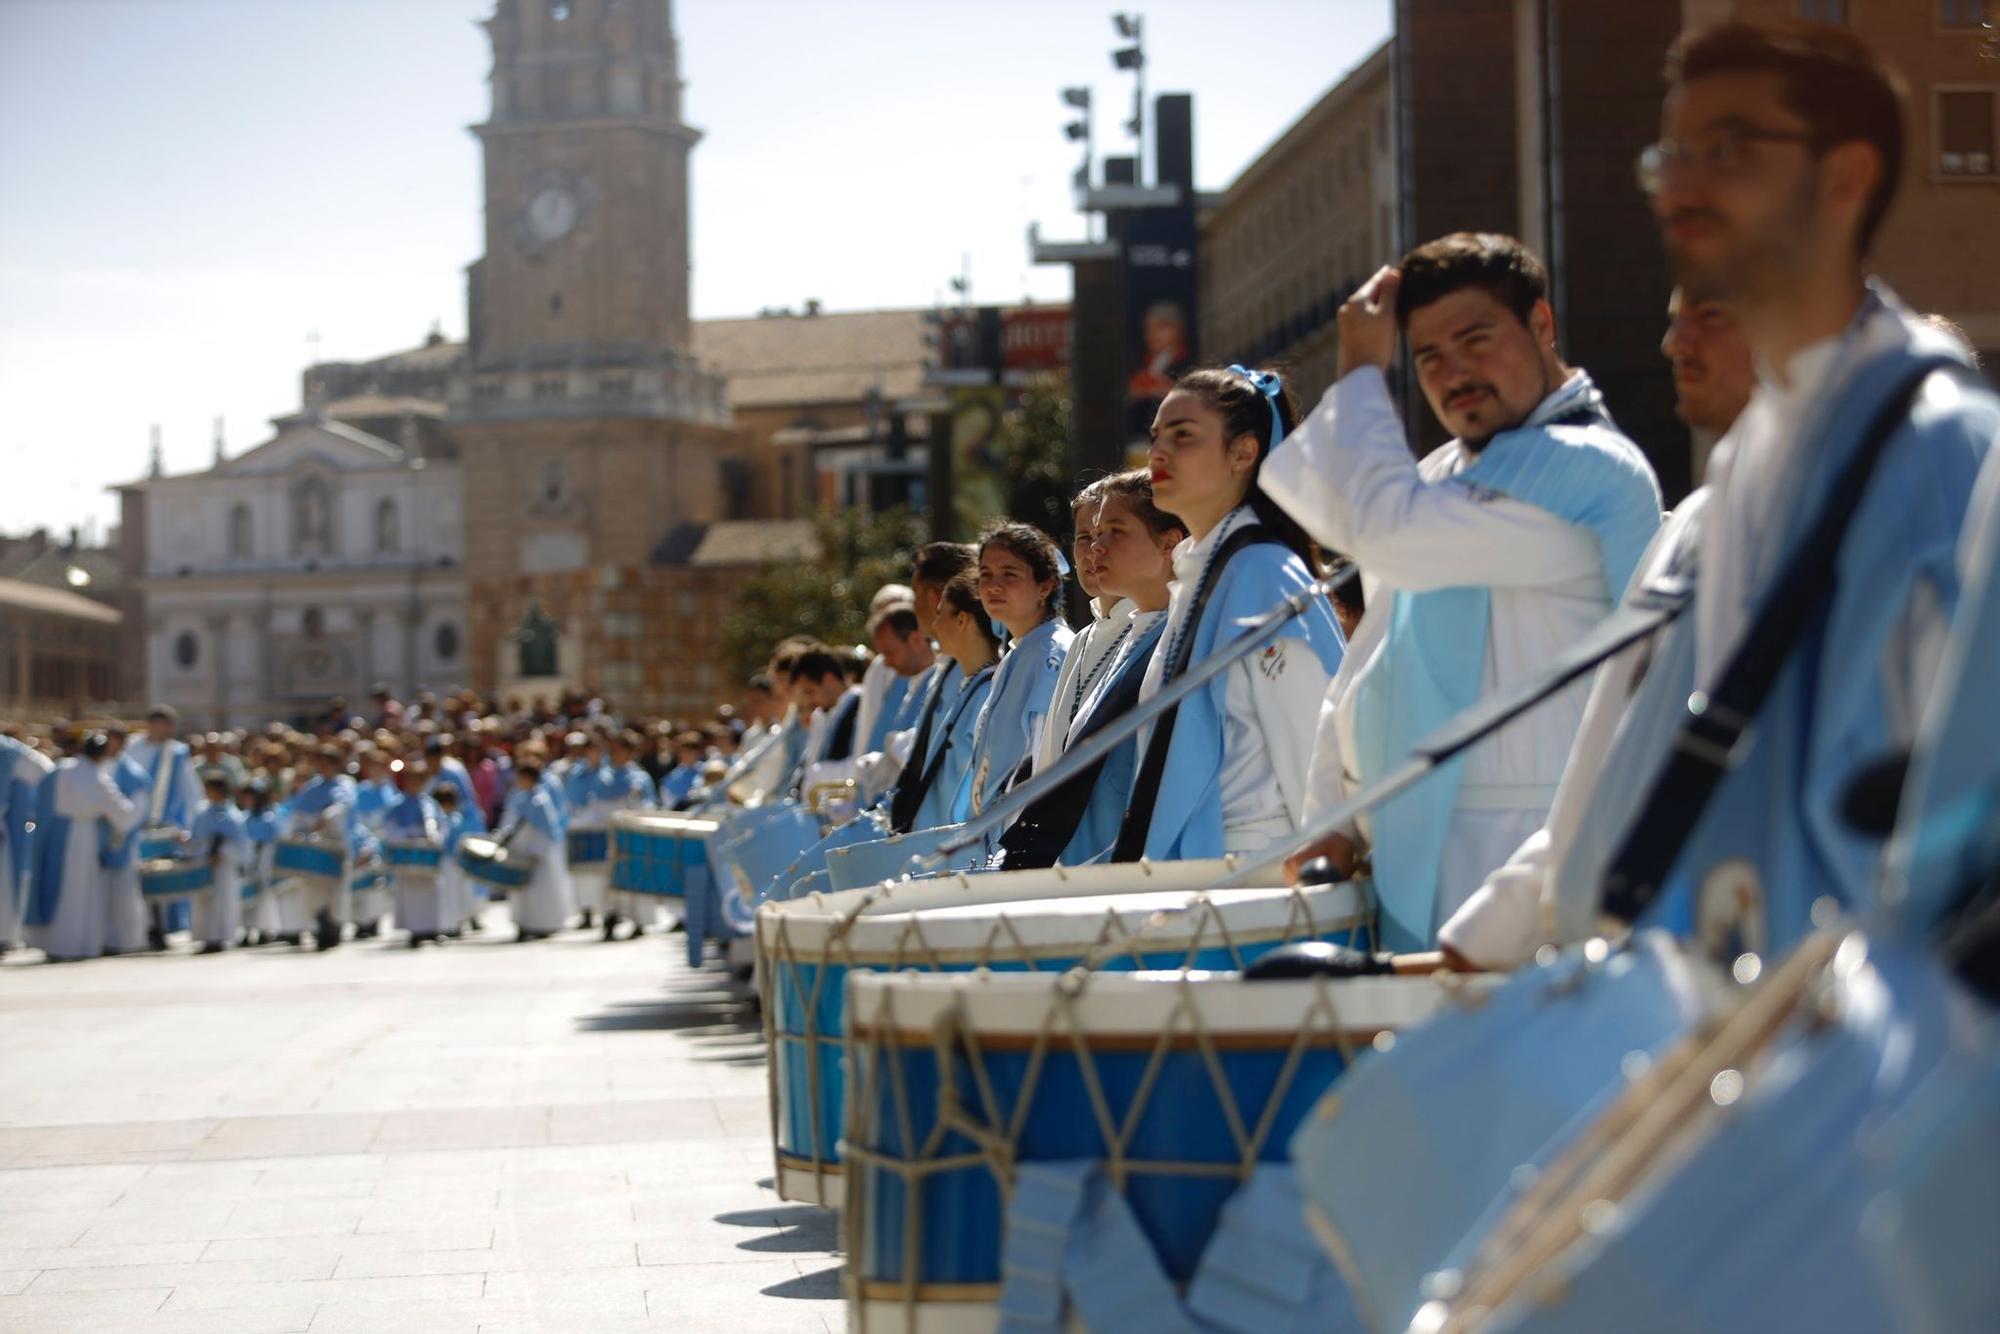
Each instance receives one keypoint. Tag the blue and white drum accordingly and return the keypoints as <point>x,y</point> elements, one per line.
<point>588,848</point>
<point>1116,917</point>
<point>174,878</point>
<point>310,856</point>
<point>158,841</point>
<point>490,863</point>
<point>660,855</point>
<point>412,854</point>
<point>1190,1080</point>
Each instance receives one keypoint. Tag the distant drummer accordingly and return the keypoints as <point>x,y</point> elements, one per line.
<point>218,836</point>
<point>414,817</point>
<point>533,827</point>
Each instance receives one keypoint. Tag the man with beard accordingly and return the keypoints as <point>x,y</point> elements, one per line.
<point>1713,372</point>
<point>1484,561</point>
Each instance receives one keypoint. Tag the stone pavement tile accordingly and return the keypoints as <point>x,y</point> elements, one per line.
<point>16,1280</point>
<point>25,1195</point>
<point>291,1218</point>
<point>462,1237</point>
<point>268,1136</point>
<point>445,1317</point>
<point>98,1278</point>
<point>542,1252</point>
<point>604,1291</point>
<point>75,1310</point>
<point>70,1257</point>
<point>46,1227</point>
<point>119,1137</point>
<point>745,1115</point>
<point>229,1320</point>
<point>654,1120</point>
<point>736,1296</point>
<point>467,1128</point>
<point>329,1291</point>
<point>165,1223</point>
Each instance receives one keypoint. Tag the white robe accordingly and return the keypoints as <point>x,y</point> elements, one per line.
<point>1348,477</point>
<point>547,901</point>
<point>84,918</point>
<point>1084,667</point>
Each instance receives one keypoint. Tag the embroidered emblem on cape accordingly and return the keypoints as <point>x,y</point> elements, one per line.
<point>1271,661</point>
<point>1485,495</point>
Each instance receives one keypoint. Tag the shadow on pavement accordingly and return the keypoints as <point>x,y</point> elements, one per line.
<point>783,1215</point>
<point>822,1286</point>
<point>705,1013</point>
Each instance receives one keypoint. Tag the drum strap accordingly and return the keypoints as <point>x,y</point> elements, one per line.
<point>912,797</point>
<point>1717,722</point>
<point>1153,768</point>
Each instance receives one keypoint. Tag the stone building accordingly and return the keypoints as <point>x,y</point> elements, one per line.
<point>59,653</point>
<point>313,565</point>
<point>1299,229</point>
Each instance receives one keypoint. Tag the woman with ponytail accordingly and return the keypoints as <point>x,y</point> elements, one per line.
<point>1225,770</point>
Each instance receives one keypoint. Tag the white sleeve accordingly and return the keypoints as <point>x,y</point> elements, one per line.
<point>1500,926</point>
<point>1325,785</point>
<point>1347,475</point>
<point>1286,685</point>
<point>118,810</point>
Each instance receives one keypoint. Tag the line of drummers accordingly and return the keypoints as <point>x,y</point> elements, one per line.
<point>1584,918</point>
<point>127,837</point>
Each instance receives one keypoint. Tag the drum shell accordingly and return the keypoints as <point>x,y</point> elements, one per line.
<point>412,854</point>
<point>806,950</point>
<point>169,877</point>
<point>157,842</point>
<point>311,857</point>
<point>486,861</point>
<point>588,847</point>
<point>924,1046</point>
<point>660,855</point>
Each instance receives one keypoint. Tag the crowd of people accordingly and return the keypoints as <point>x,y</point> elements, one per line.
<point>1417,588</point>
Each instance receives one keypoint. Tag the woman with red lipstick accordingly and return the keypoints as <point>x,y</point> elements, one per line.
<point>1225,770</point>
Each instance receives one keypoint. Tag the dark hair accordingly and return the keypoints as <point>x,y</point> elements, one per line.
<point>1830,78</point>
<point>962,594</point>
<point>1500,265</point>
<point>530,769</point>
<point>817,664</point>
<point>1348,593</point>
<point>791,652</point>
<point>1134,490</point>
<point>939,562</point>
<point>446,794</point>
<point>1245,411</point>
<point>1037,551</point>
<point>898,616</point>
<point>95,745</point>
<point>760,681</point>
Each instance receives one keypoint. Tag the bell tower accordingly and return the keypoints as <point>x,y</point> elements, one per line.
<point>586,428</point>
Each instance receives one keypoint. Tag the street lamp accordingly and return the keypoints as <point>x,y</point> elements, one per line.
<point>1078,131</point>
<point>1132,27</point>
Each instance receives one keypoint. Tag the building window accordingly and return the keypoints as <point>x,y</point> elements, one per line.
<point>187,650</point>
<point>445,642</point>
<point>1961,13</point>
<point>1823,11</point>
<point>551,387</point>
<point>1965,132</point>
<point>313,622</point>
<point>387,536</point>
<point>312,518</point>
<point>241,535</point>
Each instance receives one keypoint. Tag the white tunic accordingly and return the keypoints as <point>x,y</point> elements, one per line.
<point>1266,750</point>
<point>1348,477</point>
<point>1504,921</point>
<point>1083,667</point>
<point>85,794</point>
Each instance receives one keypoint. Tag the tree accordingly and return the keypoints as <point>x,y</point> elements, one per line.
<point>1035,440</point>
<point>826,598</point>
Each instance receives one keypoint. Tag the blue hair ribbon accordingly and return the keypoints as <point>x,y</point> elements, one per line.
<point>1272,388</point>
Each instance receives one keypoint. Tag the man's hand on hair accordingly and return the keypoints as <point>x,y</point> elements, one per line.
<point>1367,324</point>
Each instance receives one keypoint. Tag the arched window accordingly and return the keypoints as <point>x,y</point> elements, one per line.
<point>242,537</point>
<point>187,650</point>
<point>446,642</point>
<point>387,536</point>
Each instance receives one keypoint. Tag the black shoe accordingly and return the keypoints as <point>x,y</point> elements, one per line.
<point>678,928</point>
<point>291,938</point>
<point>589,919</point>
<point>156,939</point>
<point>611,920</point>
<point>471,927</point>
<point>326,931</point>
<point>212,947</point>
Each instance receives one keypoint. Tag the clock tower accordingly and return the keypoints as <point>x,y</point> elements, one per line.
<point>587,429</point>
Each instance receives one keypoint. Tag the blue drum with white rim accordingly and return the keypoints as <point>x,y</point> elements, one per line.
<point>490,863</point>
<point>1187,1080</point>
<point>1115,917</point>
<point>174,878</point>
<point>588,847</point>
<point>412,854</point>
<point>660,855</point>
<point>310,856</point>
<point>157,842</point>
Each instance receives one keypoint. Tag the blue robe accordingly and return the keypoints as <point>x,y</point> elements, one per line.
<point>1005,733</point>
<point>1187,815</point>
<point>1778,809</point>
<point>898,701</point>
<point>413,815</point>
<point>952,751</point>
<point>628,788</point>
<point>51,840</point>
<point>19,778</point>
<point>1097,831</point>
<point>172,764</point>
<point>677,782</point>
<point>454,772</point>
<point>319,793</point>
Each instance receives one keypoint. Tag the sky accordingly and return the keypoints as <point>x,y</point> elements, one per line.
<point>201,196</point>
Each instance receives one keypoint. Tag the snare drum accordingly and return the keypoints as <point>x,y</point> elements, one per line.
<point>659,855</point>
<point>1117,917</point>
<point>412,854</point>
<point>487,861</point>
<point>588,848</point>
<point>157,842</point>
<point>310,856</point>
<point>1187,1080</point>
<point>174,878</point>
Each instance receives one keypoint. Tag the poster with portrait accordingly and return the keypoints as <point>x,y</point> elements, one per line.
<point>978,472</point>
<point>1160,316</point>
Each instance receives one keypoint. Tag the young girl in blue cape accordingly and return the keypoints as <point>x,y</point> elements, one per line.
<point>1020,587</point>
<point>1230,772</point>
<point>965,634</point>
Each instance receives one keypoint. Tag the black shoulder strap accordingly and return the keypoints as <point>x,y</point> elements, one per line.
<point>1146,786</point>
<point>907,795</point>
<point>1706,745</point>
<point>840,743</point>
<point>902,820</point>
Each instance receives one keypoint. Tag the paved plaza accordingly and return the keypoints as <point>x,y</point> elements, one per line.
<point>483,1137</point>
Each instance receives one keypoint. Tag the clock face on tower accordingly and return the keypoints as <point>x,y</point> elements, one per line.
<point>552,212</point>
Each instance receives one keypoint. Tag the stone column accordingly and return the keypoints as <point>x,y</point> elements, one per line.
<point>260,624</point>
<point>365,618</point>
<point>218,635</point>
<point>412,617</point>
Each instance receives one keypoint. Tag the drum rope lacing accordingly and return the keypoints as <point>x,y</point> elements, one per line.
<point>911,949</point>
<point>1658,1118</point>
<point>997,1131</point>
